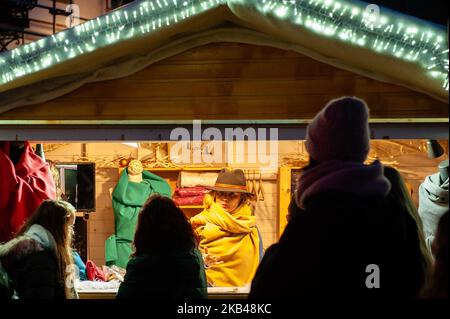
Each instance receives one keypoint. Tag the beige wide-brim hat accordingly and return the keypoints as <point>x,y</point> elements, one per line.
<point>230,181</point>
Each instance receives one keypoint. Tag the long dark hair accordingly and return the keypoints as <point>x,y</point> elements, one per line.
<point>55,217</point>
<point>162,227</point>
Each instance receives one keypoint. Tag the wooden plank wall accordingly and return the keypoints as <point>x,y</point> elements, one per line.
<point>414,166</point>
<point>100,224</point>
<point>230,81</point>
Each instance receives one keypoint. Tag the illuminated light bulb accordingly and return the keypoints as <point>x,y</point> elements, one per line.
<point>281,11</point>
<point>412,30</point>
<point>343,35</point>
<point>71,53</point>
<point>329,31</point>
<point>434,74</point>
<point>41,43</point>
<point>47,61</point>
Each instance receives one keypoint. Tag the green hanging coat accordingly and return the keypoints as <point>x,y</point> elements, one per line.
<point>127,200</point>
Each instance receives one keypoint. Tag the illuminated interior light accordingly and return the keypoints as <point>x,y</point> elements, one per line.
<point>281,11</point>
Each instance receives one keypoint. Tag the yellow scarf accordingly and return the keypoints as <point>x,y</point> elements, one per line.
<point>233,238</point>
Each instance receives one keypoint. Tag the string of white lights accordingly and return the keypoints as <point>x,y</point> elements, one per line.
<point>372,27</point>
<point>384,32</point>
<point>136,19</point>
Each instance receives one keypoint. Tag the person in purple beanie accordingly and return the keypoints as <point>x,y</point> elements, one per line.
<point>348,237</point>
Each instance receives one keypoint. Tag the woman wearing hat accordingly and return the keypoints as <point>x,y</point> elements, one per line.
<point>227,232</point>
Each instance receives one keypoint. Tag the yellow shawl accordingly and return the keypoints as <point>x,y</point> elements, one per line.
<point>233,238</point>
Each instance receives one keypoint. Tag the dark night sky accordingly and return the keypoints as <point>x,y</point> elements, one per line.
<point>432,10</point>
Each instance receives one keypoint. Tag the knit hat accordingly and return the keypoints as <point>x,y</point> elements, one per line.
<point>340,131</point>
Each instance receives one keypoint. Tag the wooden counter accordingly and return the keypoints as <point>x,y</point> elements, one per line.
<point>213,293</point>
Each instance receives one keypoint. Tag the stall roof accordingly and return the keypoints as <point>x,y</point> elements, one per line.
<point>369,40</point>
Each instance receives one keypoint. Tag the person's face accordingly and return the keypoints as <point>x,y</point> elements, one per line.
<point>228,200</point>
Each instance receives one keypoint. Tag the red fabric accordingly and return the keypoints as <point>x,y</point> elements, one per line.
<point>93,272</point>
<point>190,191</point>
<point>22,188</point>
<point>193,200</point>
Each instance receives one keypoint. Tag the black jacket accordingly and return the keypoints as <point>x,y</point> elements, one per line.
<point>36,277</point>
<point>326,249</point>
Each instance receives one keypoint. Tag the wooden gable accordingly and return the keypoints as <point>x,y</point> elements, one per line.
<point>231,81</point>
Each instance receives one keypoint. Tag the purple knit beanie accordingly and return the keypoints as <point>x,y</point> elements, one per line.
<point>340,131</point>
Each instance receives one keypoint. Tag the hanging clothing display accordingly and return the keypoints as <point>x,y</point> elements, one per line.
<point>127,199</point>
<point>189,195</point>
<point>194,179</point>
<point>233,238</point>
<point>23,187</point>
<point>433,203</point>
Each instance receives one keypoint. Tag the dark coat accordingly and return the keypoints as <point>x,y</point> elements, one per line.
<point>34,271</point>
<point>179,275</point>
<point>36,277</point>
<point>324,251</point>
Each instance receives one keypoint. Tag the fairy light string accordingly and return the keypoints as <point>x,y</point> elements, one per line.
<point>353,22</point>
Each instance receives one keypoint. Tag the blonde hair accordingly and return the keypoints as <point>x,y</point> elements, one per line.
<point>54,216</point>
<point>56,178</point>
